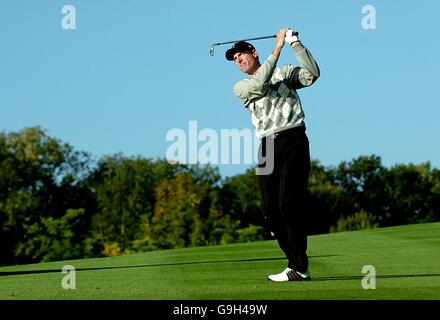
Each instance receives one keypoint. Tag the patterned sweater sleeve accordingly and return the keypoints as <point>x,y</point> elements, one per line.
<point>308,73</point>
<point>254,87</point>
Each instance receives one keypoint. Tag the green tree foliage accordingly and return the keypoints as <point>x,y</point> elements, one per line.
<point>224,229</point>
<point>124,190</point>
<point>240,199</point>
<point>362,181</point>
<point>359,221</point>
<point>177,220</point>
<point>325,199</point>
<point>57,240</point>
<point>250,234</point>
<point>58,203</point>
<point>412,192</point>
<point>40,178</point>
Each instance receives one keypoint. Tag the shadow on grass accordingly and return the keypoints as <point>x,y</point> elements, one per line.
<point>378,276</point>
<point>22,272</point>
<point>330,278</point>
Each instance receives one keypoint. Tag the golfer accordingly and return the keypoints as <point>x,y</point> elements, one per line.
<point>270,94</point>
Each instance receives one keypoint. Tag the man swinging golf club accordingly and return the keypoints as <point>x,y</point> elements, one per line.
<point>270,94</point>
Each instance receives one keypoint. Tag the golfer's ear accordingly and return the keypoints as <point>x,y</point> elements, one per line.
<point>254,53</point>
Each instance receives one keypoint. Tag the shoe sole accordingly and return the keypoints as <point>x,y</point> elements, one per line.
<point>302,279</point>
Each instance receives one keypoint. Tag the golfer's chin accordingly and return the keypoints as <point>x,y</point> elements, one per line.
<point>250,70</point>
<point>244,69</point>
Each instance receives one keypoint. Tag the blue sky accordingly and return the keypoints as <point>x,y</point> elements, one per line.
<point>135,69</point>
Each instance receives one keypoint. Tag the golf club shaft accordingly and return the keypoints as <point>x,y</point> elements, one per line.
<point>250,39</point>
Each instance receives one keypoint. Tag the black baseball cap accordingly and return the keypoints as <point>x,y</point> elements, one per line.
<point>240,46</point>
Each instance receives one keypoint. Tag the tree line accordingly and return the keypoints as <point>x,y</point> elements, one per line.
<point>58,203</point>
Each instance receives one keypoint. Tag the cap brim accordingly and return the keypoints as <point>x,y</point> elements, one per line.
<point>240,46</point>
<point>230,54</point>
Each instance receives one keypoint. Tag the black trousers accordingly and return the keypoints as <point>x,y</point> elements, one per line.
<point>284,193</point>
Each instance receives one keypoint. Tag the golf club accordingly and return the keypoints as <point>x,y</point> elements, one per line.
<point>211,52</point>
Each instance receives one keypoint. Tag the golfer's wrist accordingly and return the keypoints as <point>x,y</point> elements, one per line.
<point>295,43</point>
<point>297,47</point>
<point>277,51</point>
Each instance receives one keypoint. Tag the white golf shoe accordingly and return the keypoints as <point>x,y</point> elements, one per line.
<point>290,275</point>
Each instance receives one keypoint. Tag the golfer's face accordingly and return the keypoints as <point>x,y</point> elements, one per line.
<point>245,61</point>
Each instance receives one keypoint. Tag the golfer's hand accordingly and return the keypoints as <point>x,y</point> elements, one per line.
<point>291,37</point>
<point>281,35</point>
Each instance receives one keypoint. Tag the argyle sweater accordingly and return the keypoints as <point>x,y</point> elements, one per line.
<point>271,93</point>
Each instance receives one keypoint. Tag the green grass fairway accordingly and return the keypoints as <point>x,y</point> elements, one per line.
<point>406,259</point>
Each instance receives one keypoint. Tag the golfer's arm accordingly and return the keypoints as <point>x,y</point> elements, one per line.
<point>308,73</point>
<point>255,86</point>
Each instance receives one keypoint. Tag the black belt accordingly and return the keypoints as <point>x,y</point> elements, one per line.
<point>286,132</point>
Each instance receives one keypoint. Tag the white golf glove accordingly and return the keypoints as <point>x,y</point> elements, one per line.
<point>291,38</point>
